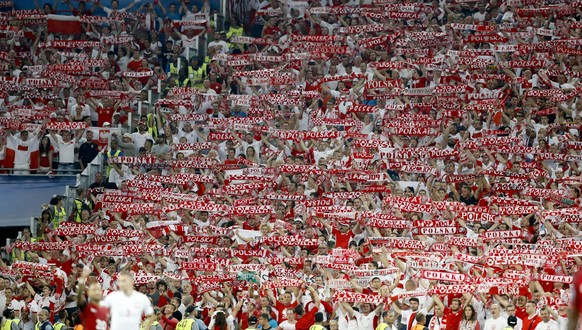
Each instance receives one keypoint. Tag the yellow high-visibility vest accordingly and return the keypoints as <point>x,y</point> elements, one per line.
<point>8,324</point>
<point>142,325</point>
<point>185,324</point>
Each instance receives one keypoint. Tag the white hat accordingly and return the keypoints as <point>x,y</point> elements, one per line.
<point>106,124</point>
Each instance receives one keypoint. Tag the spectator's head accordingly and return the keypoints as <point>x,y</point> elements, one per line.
<point>495,310</point>
<point>290,314</point>
<point>299,310</point>
<point>8,313</point>
<point>48,8</point>
<point>66,135</point>
<point>456,304</point>
<point>420,318</point>
<point>469,313</point>
<point>7,291</point>
<point>169,309</point>
<point>264,320</point>
<point>376,283</point>
<point>63,315</point>
<point>162,286</point>
<point>414,302</point>
<point>531,307</point>
<point>43,315</point>
<point>24,135</point>
<point>366,308</point>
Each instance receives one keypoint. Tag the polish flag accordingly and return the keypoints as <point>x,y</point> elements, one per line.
<point>64,24</point>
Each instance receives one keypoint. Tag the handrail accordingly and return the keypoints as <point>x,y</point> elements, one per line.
<point>52,173</point>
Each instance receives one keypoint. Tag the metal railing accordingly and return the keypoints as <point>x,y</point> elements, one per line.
<point>53,172</point>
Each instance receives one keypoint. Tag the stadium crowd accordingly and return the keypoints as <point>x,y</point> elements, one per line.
<point>374,164</point>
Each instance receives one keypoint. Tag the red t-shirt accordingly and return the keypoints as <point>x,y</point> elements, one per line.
<point>520,312</point>
<point>105,115</point>
<point>244,318</point>
<point>342,241</point>
<point>66,266</point>
<point>530,323</point>
<point>231,161</point>
<point>270,30</point>
<point>217,87</point>
<point>94,317</point>
<point>453,319</point>
<point>281,310</point>
<point>134,65</point>
<point>44,159</point>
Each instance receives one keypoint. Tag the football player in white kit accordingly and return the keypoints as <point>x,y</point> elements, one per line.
<point>127,306</point>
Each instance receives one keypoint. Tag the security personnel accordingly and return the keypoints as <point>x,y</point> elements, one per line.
<point>183,80</point>
<point>197,73</point>
<point>234,30</point>
<point>79,203</point>
<point>189,323</point>
<point>44,322</point>
<point>152,123</point>
<point>318,322</point>
<point>18,254</point>
<point>155,324</point>
<point>58,212</point>
<point>10,321</point>
<point>114,151</point>
<point>174,66</point>
<point>59,325</point>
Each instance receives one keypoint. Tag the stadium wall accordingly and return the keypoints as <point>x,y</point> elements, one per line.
<point>22,197</point>
<point>29,4</point>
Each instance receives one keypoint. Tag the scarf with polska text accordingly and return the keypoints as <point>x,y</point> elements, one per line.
<point>351,297</point>
<point>451,289</point>
<point>42,246</point>
<point>398,243</point>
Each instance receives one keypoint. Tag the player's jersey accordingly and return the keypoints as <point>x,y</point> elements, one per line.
<point>127,310</point>
<point>94,317</point>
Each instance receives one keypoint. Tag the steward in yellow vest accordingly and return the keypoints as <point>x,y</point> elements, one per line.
<point>188,323</point>
<point>153,326</point>
<point>10,322</point>
<point>318,322</point>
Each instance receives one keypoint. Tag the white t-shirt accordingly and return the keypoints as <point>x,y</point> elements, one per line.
<point>140,139</point>
<point>18,305</point>
<point>365,322</point>
<point>495,324</point>
<point>2,300</point>
<point>127,311</point>
<point>550,325</point>
<point>110,11</point>
<point>66,150</point>
<point>285,325</point>
<point>44,301</point>
<point>407,313</point>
